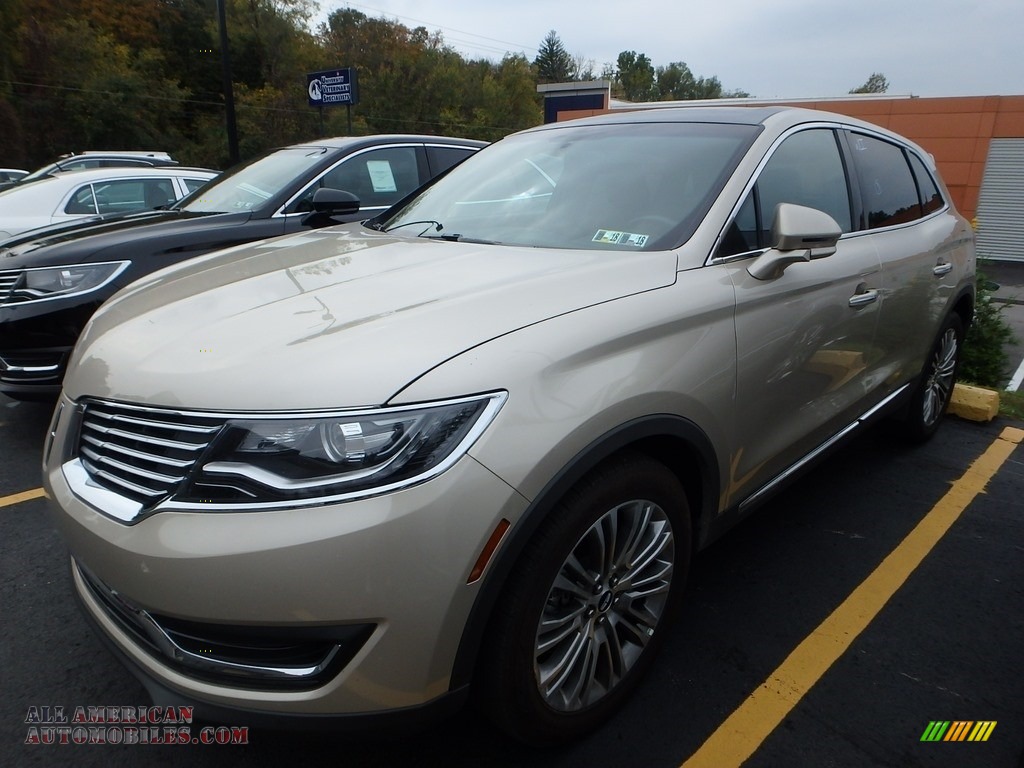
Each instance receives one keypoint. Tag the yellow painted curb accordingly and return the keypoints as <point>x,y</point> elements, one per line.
<point>974,403</point>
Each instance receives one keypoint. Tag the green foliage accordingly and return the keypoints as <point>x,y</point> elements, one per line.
<point>553,62</point>
<point>147,74</point>
<point>1011,405</point>
<point>676,82</point>
<point>636,79</point>
<point>984,360</point>
<point>635,76</point>
<point>876,83</point>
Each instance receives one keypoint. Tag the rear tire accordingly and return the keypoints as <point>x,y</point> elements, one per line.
<point>587,606</point>
<point>935,387</point>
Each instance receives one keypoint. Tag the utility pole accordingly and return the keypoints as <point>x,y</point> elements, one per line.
<point>229,91</point>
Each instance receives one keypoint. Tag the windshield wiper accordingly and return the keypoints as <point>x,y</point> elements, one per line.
<point>462,239</point>
<point>438,226</point>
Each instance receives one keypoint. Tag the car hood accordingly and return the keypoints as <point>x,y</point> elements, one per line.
<point>79,242</point>
<point>340,317</point>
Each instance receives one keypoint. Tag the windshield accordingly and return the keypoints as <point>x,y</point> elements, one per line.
<point>605,187</point>
<point>39,173</point>
<point>251,186</point>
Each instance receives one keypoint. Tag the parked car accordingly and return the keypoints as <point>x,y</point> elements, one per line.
<point>52,281</point>
<point>73,195</point>
<point>10,175</point>
<point>471,445</point>
<point>79,161</point>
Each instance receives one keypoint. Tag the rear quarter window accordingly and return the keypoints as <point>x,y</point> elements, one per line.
<point>441,159</point>
<point>931,198</point>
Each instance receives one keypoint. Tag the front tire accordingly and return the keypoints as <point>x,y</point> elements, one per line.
<point>588,604</point>
<point>935,388</point>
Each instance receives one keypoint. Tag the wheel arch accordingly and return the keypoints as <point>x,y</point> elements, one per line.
<point>676,442</point>
<point>963,305</point>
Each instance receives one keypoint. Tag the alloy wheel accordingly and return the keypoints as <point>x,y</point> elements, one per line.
<point>941,377</point>
<point>604,606</point>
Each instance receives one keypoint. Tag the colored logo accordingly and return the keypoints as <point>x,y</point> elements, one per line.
<point>958,730</point>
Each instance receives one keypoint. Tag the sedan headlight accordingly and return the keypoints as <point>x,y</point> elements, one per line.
<point>336,456</point>
<point>59,282</point>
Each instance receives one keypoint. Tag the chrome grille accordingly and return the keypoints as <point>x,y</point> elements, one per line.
<point>7,281</point>
<point>142,453</point>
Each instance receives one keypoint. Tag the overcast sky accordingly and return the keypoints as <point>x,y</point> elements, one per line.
<point>769,48</point>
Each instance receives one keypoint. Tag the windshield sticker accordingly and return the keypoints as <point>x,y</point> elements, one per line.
<point>381,177</point>
<point>612,237</point>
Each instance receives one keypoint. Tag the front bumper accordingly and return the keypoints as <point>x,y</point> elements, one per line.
<point>36,339</point>
<point>34,373</point>
<point>384,578</point>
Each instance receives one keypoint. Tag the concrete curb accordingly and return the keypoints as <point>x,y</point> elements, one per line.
<point>974,403</point>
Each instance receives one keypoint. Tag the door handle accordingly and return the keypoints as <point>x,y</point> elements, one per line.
<point>942,269</point>
<point>863,298</point>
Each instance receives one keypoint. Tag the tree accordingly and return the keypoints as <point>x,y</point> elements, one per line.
<point>635,76</point>
<point>553,63</point>
<point>874,84</point>
<point>582,68</point>
<point>676,82</point>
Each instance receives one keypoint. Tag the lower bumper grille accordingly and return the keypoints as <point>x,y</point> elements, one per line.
<point>37,366</point>
<point>261,658</point>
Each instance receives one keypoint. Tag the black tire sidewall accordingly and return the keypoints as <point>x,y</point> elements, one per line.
<point>917,429</point>
<point>511,693</point>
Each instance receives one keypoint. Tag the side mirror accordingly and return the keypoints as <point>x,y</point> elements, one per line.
<point>798,234</point>
<point>328,202</point>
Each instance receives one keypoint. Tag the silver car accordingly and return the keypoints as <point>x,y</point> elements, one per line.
<point>471,445</point>
<point>67,196</point>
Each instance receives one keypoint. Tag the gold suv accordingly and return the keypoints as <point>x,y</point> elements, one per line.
<point>470,445</point>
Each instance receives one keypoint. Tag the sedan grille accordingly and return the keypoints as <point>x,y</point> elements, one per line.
<point>142,453</point>
<point>7,281</point>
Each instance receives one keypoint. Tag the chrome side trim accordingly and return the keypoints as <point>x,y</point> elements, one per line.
<point>8,368</point>
<point>837,437</point>
<point>95,495</point>
<point>143,622</point>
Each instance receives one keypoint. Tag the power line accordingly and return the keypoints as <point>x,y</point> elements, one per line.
<point>449,29</point>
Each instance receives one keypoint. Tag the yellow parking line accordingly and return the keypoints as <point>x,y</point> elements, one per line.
<point>35,493</point>
<point>745,730</point>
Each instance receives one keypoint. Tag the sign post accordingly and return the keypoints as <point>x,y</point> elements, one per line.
<point>333,87</point>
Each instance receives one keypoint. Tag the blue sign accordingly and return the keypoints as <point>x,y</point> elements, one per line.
<point>332,87</point>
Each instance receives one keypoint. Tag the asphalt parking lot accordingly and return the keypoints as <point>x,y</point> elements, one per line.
<point>790,651</point>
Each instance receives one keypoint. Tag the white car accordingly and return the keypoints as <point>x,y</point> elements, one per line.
<point>102,191</point>
<point>11,174</point>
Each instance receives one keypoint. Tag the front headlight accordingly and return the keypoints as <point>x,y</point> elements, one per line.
<point>62,281</point>
<point>336,456</point>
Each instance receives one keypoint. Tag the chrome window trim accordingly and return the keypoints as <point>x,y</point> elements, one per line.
<point>712,259</point>
<point>280,214</point>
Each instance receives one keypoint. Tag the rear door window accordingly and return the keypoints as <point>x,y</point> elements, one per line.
<point>887,186</point>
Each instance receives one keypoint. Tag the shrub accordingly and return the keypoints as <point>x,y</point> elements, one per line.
<point>984,360</point>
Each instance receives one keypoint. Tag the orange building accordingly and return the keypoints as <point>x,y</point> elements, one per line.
<point>977,143</point>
